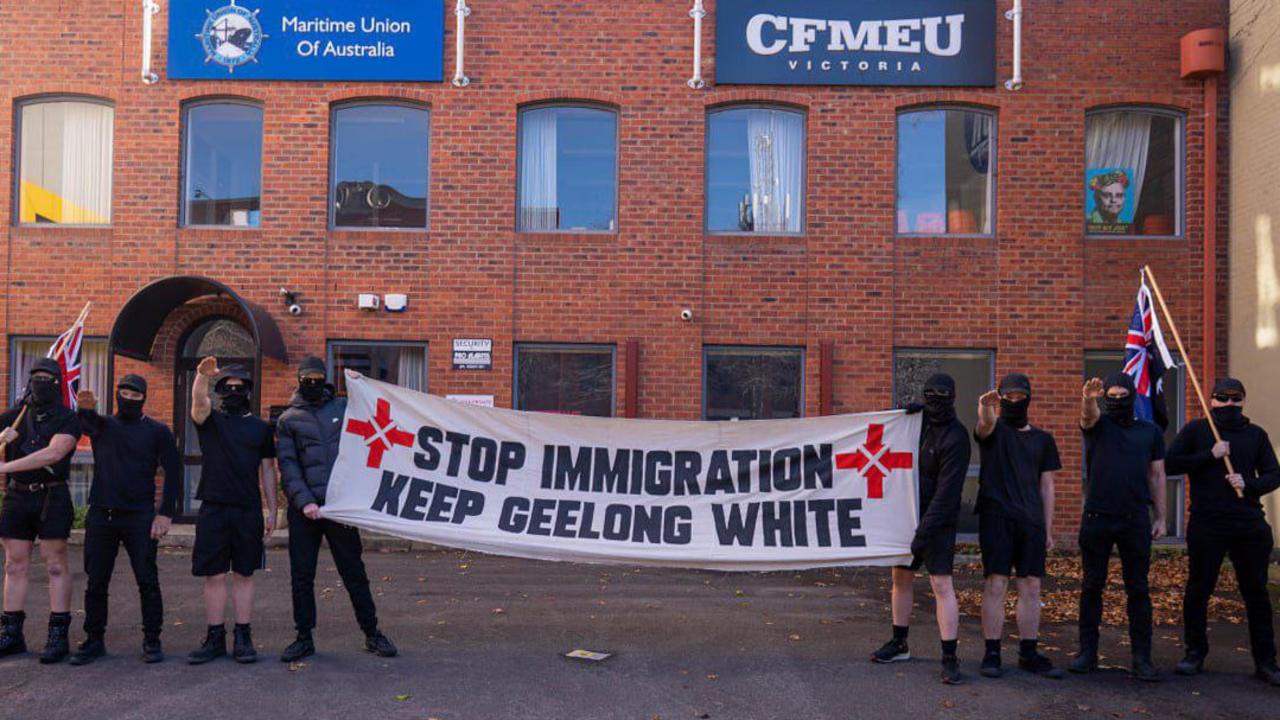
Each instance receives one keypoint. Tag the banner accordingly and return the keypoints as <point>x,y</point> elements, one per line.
<point>759,495</point>
<point>372,40</point>
<point>856,42</point>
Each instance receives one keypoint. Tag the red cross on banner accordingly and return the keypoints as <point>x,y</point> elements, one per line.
<point>380,434</point>
<point>874,460</point>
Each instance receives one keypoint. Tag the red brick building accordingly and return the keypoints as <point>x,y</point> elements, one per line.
<point>857,288</point>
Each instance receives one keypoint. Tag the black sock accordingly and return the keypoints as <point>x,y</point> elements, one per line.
<point>993,647</point>
<point>949,648</point>
<point>1027,648</point>
<point>16,614</point>
<point>219,628</point>
<point>60,618</point>
<point>900,632</point>
<point>242,626</point>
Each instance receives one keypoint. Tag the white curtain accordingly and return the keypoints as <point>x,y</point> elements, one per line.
<point>1119,140</point>
<point>66,162</point>
<point>775,152</point>
<point>93,365</point>
<point>538,201</point>
<point>412,368</point>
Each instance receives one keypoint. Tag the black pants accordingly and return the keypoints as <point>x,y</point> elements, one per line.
<point>304,551</point>
<point>105,532</point>
<point>1249,548</point>
<point>1131,535</point>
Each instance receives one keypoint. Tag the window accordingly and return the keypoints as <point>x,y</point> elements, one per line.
<point>1133,172</point>
<point>25,351</point>
<point>568,175</point>
<point>222,171</point>
<point>381,157</point>
<point>755,171</point>
<point>974,373</point>
<point>404,364</point>
<point>64,162</point>
<point>946,172</point>
<point>1102,363</point>
<point>752,383</point>
<point>566,379</point>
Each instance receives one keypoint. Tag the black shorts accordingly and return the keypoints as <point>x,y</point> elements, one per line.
<point>227,538</point>
<point>21,512</point>
<point>1010,547</point>
<point>939,554</point>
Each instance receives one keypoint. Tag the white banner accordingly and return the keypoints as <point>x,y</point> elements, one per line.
<point>759,495</point>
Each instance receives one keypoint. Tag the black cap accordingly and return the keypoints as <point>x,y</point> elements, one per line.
<point>941,382</point>
<point>235,372</point>
<point>1119,380</point>
<point>47,365</point>
<point>133,382</point>
<point>1015,382</point>
<point>311,364</point>
<point>1229,385</point>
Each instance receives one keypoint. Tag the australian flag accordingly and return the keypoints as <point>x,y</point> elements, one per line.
<point>1146,358</point>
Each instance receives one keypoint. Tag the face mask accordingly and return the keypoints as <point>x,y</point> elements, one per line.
<point>311,390</point>
<point>235,401</point>
<point>44,392</point>
<point>128,409</point>
<point>1014,413</point>
<point>939,410</point>
<point>1229,416</point>
<point>1120,409</point>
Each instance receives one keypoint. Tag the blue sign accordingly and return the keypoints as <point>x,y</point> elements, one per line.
<point>856,42</point>
<point>377,40</point>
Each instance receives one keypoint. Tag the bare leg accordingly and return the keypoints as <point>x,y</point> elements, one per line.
<point>993,606</point>
<point>947,609</point>
<point>54,553</point>
<point>1029,608</point>
<point>242,590</point>
<point>215,599</point>
<point>17,558</point>
<point>903,597</point>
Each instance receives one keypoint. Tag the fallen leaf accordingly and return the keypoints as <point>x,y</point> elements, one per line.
<point>713,676</point>
<point>402,697</point>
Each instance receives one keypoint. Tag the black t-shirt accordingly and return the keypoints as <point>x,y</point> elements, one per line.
<point>34,434</point>
<point>1009,481</point>
<point>1118,459</point>
<point>126,454</point>
<point>232,449</point>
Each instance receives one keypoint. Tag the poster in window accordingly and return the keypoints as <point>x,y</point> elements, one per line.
<point>1109,201</point>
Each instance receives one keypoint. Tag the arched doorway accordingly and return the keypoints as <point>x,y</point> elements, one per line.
<point>232,344</point>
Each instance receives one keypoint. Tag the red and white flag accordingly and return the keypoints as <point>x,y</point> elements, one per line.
<point>66,352</point>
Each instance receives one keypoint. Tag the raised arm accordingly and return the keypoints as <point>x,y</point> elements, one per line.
<point>1089,411</point>
<point>87,408</point>
<point>987,405</point>
<point>200,405</point>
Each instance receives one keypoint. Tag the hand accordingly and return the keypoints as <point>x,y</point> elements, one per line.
<point>917,545</point>
<point>1221,449</point>
<point>86,400</point>
<point>269,526</point>
<point>990,399</point>
<point>312,511</point>
<point>8,435</point>
<point>913,408</point>
<point>160,527</point>
<point>1157,529</point>
<point>1049,543</point>
<point>208,367</point>
<point>1093,389</point>
<point>1236,480</point>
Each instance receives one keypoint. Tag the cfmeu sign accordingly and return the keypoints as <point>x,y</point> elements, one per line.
<point>855,42</point>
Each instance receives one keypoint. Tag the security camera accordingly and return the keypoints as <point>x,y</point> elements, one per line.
<point>686,315</point>
<point>295,309</point>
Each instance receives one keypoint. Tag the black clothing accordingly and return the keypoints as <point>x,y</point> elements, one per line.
<point>38,502</point>
<point>1010,547</point>
<point>1132,536</point>
<point>133,382</point>
<point>1120,410</point>
<point>1228,385</point>
<point>233,449</point>
<point>1009,480</point>
<point>1119,458</point>
<point>1213,500</point>
<point>309,434</point>
<point>345,547</point>
<point>1229,417</point>
<point>105,531</point>
<point>126,454</point>
<point>228,537</point>
<point>47,514</point>
<point>1208,543</point>
<point>1014,412</point>
<point>35,432</point>
<point>944,464</point>
<point>935,552</point>
<point>1014,382</point>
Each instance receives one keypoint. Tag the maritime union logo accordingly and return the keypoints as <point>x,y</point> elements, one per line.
<point>231,36</point>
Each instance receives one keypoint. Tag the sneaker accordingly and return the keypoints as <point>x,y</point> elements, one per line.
<point>302,647</point>
<point>1040,665</point>
<point>991,666</point>
<point>243,651</point>
<point>1144,670</point>
<point>1191,664</point>
<point>378,644</point>
<point>1268,673</point>
<point>86,652</point>
<point>152,650</point>
<point>951,671</point>
<point>213,647</point>
<point>893,651</point>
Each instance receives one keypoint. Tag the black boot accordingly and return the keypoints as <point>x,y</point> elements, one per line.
<point>1143,669</point>
<point>378,644</point>
<point>301,647</point>
<point>58,646</point>
<point>1086,661</point>
<point>1191,664</point>
<point>152,650</point>
<point>213,647</point>
<point>1267,673</point>
<point>243,651</point>
<point>12,641</point>
<point>91,649</point>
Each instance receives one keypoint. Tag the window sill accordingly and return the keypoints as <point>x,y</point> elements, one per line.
<point>356,230</point>
<point>943,236</point>
<point>755,235</point>
<point>1135,237</point>
<point>61,226</point>
<point>231,228</point>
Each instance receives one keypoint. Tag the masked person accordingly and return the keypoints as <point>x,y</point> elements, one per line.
<point>1223,524</point>
<point>309,432</point>
<point>128,449</point>
<point>37,503</point>
<point>944,463</point>
<point>1125,487</point>
<point>1015,519</point>
<point>237,471</point>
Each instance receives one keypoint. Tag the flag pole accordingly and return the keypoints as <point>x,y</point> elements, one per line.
<point>57,347</point>
<point>1191,371</point>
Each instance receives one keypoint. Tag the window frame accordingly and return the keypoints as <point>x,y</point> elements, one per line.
<point>617,162</point>
<point>1180,168</point>
<point>993,162</point>
<point>803,112</point>
<point>184,168</point>
<point>334,109</point>
<point>613,368</point>
<point>331,367</point>
<point>18,106</point>
<point>800,391</point>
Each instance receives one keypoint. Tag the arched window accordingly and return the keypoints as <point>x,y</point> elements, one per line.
<point>1133,172</point>
<point>380,165</point>
<point>64,161</point>
<point>946,172</point>
<point>568,169</point>
<point>755,170</point>
<point>222,163</point>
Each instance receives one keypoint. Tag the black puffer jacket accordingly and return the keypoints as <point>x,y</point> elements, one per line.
<point>308,446</point>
